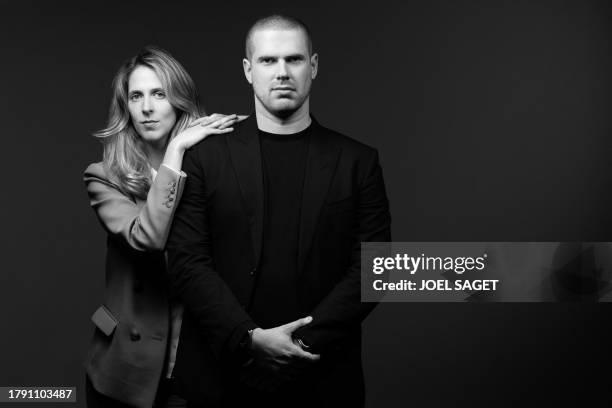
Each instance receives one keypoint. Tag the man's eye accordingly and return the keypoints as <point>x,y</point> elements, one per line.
<point>267,60</point>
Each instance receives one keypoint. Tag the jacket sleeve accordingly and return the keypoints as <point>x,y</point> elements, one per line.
<point>143,225</point>
<point>192,272</point>
<point>341,311</point>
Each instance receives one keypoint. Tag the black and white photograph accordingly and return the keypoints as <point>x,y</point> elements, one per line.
<point>306,204</point>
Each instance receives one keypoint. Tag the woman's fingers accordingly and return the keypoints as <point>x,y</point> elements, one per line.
<point>216,131</point>
<point>193,135</point>
<point>228,122</point>
<point>222,122</point>
<point>199,121</point>
<point>217,120</point>
<point>205,120</point>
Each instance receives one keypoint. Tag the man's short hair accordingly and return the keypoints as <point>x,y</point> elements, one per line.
<point>278,22</point>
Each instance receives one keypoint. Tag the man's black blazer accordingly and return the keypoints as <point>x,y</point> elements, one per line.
<point>215,246</point>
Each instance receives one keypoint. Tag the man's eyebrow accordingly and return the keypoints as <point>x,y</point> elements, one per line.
<point>266,57</point>
<point>295,56</point>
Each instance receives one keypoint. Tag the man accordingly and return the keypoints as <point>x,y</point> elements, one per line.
<point>265,246</point>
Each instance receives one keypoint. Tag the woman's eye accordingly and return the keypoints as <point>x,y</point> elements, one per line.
<point>159,94</point>
<point>134,97</point>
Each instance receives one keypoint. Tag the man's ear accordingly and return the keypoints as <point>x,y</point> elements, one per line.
<point>246,65</point>
<point>314,63</point>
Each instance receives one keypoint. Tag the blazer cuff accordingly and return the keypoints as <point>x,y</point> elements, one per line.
<point>178,172</point>
<point>169,185</point>
<point>233,344</point>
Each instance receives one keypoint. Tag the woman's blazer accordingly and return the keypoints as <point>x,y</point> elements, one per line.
<point>127,355</point>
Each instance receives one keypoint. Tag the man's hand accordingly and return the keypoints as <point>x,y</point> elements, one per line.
<point>275,350</point>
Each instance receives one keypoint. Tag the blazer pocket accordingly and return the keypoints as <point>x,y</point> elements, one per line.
<point>104,320</point>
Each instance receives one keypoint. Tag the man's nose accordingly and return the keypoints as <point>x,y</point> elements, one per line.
<point>281,72</point>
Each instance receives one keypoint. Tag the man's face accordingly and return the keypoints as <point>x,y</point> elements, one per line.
<point>281,69</point>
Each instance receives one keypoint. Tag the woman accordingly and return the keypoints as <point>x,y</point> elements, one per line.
<point>134,192</point>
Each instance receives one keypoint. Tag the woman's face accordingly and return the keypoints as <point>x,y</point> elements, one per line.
<point>152,115</point>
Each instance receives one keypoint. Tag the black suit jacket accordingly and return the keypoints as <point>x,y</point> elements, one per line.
<point>215,247</point>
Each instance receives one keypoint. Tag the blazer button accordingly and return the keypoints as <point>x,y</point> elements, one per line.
<point>134,335</point>
<point>253,271</point>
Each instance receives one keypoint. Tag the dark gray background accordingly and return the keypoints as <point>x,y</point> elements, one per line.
<point>491,119</point>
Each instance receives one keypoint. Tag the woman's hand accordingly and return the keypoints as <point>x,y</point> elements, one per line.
<point>200,128</point>
<point>205,120</point>
<point>197,131</point>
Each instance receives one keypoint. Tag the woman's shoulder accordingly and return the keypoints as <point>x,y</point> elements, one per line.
<point>97,174</point>
<point>95,170</point>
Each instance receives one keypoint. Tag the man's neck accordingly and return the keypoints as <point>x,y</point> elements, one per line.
<point>294,123</point>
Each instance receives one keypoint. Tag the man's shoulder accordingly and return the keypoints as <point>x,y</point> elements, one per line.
<point>348,144</point>
<point>211,145</point>
<point>215,144</point>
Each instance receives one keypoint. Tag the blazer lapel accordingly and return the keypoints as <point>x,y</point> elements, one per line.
<point>320,167</point>
<point>245,154</point>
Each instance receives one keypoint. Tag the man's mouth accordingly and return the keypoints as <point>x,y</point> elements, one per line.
<point>283,88</point>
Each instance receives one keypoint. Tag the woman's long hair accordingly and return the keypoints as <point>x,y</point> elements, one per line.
<point>125,158</point>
